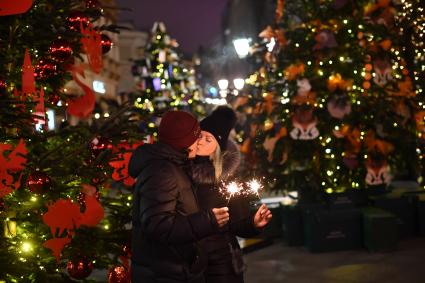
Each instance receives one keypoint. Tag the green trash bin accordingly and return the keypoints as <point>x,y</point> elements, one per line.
<point>404,206</point>
<point>379,230</point>
<point>333,230</point>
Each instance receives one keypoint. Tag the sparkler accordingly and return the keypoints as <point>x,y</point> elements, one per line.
<point>254,187</point>
<point>231,190</point>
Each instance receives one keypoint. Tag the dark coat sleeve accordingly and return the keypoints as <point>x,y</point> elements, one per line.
<point>159,217</point>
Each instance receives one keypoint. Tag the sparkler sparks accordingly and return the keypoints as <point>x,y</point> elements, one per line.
<point>234,188</point>
<point>254,187</point>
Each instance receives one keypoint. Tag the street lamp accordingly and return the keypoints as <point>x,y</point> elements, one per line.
<point>223,84</point>
<point>239,83</point>
<point>242,46</point>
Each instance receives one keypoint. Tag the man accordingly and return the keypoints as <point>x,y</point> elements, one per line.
<point>167,223</point>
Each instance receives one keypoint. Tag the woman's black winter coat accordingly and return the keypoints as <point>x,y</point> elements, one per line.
<point>225,262</point>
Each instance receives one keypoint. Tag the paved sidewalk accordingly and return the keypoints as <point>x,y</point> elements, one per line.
<point>280,263</point>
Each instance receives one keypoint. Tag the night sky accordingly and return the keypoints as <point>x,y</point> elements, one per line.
<point>191,22</point>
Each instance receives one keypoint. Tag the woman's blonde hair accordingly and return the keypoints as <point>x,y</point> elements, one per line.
<point>217,161</point>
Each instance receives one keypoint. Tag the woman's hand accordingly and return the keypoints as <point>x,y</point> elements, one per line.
<point>262,216</point>
<point>221,215</point>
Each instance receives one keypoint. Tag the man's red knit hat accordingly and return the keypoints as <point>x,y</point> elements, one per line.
<point>178,129</point>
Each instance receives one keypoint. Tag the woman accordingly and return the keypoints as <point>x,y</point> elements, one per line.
<point>218,158</point>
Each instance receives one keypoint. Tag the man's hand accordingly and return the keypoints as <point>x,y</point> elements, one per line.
<point>221,215</point>
<point>262,216</point>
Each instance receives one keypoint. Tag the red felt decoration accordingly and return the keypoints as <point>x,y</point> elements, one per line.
<point>106,43</point>
<point>77,19</point>
<point>82,106</point>
<point>94,212</point>
<point>60,50</point>
<point>80,267</point>
<point>92,46</point>
<point>62,215</point>
<point>39,182</point>
<point>100,144</point>
<point>120,164</point>
<point>28,82</point>
<point>88,190</point>
<point>45,69</point>
<point>119,274</point>
<point>56,245</point>
<point>8,7</point>
<point>10,164</point>
<point>40,112</point>
<point>65,216</point>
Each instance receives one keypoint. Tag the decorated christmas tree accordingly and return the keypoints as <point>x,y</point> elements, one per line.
<point>335,105</point>
<point>65,194</point>
<point>164,79</point>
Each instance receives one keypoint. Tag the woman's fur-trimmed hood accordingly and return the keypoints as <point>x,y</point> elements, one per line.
<point>202,170</point>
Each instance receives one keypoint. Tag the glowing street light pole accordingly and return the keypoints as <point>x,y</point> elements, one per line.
<point>239,83</point>
<point>242,46</point>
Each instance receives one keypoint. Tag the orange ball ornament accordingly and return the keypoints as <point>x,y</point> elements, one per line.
<point>386,44</point>
<point>367,76</point>
<point>368,67</point>
<point>366,85</point>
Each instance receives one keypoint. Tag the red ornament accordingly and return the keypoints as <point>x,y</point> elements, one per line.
<point>99,144</point>
<point>75,19</point>
<point>44,70</point>
<point>79,268</point>
<point>118,274</point>
<point>106,43</point>
<point>39,182</point>
<point>60,50</point>
<point>92,4</point>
